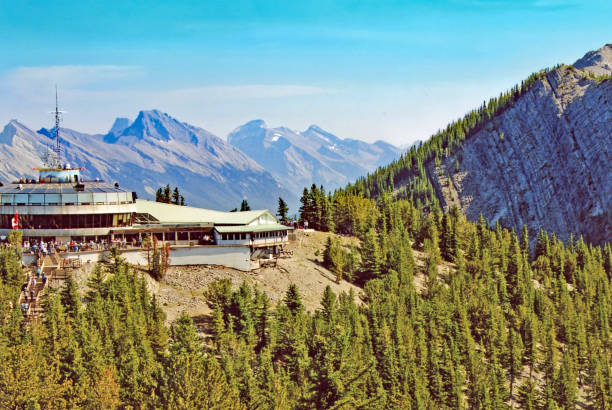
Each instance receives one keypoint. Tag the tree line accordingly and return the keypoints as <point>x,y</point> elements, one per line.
<point>169,196</point>
<point>407,178</point>
<point>452,314</point>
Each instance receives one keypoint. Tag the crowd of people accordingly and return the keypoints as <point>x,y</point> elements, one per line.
<point>43,248</point>
<point>29,289</point>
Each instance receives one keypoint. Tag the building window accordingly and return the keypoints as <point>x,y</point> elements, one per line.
<point>67,221</point>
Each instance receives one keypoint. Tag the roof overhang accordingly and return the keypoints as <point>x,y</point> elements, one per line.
<point>252,228</point>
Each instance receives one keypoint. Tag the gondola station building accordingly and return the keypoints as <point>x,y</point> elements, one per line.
<point>59,207</point>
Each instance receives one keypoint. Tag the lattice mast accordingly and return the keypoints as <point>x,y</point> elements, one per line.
<point>57,149</point>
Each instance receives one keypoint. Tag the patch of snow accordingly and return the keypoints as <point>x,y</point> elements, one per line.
<point>276,137</point>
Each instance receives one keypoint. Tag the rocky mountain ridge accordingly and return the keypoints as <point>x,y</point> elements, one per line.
<point>546,161</point>
<point>299,159</point>
<point>153,150</point>
<point>156,149</point>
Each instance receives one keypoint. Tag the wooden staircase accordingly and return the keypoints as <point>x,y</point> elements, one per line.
<point>49,267</point>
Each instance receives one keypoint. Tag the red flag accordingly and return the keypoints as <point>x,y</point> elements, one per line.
<point>15,221</point>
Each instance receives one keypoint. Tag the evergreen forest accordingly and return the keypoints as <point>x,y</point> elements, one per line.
<point>505,324</point>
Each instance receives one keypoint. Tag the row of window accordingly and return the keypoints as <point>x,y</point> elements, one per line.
<point>81,198</point>
<point>233,236</point>
<point>70,221</point>
<point>259,235</point>
<point>275,234</point>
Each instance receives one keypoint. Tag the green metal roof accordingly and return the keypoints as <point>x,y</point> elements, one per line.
<point>170,213</point>
<point>252,228</point>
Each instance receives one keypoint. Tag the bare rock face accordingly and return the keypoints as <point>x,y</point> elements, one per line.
<point>546,161</point>
<point>598,62</point>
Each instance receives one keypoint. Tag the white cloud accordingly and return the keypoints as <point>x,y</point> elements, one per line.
<point>156,95</point>
<point>29,79</point>
<point>105,82</point>
<point>247,92</point>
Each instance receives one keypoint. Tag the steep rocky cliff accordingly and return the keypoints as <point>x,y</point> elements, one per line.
<point>545,161</point>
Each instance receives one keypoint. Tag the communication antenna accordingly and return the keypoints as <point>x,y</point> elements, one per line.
<point>57,149</point>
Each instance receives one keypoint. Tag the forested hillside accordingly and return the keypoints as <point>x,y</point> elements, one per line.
<point>501,327</point>
<point>538,155</point>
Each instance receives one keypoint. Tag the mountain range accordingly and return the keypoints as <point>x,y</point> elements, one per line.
<point>152,151</point>
<point>299,159</point>
<point>156,149</point>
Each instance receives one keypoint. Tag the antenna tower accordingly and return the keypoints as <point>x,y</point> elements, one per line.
<point>57,149</point>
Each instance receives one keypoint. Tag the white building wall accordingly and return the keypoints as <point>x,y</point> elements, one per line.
<point>237,257</point>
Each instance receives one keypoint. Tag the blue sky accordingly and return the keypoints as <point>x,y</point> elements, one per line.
<point>391,70</point>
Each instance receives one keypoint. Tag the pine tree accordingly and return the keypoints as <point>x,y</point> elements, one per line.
<point>447,247</point>
<point>329,304</point>
<point>525,240</point>
<point>370,257</point>
<point>327,252</point>
<point>317,206</point>
<point>244,206</point>
<point>193,380</point>
<point>176,196</point>
<point>166,194</point>
<point>514,275</point>
<point>542,245</point>
<point>566,384</point>
<point>70,298</point>
<point>306,208</point>
<point>531,340</point>
<point>282,210</point>
<point>95,282</point>
<point>516,358</point>
<point>527,395</point>
<point>326,222</point>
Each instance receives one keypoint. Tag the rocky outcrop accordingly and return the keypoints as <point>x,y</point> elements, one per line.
<point>546,161</point>
<point>598,62</point>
